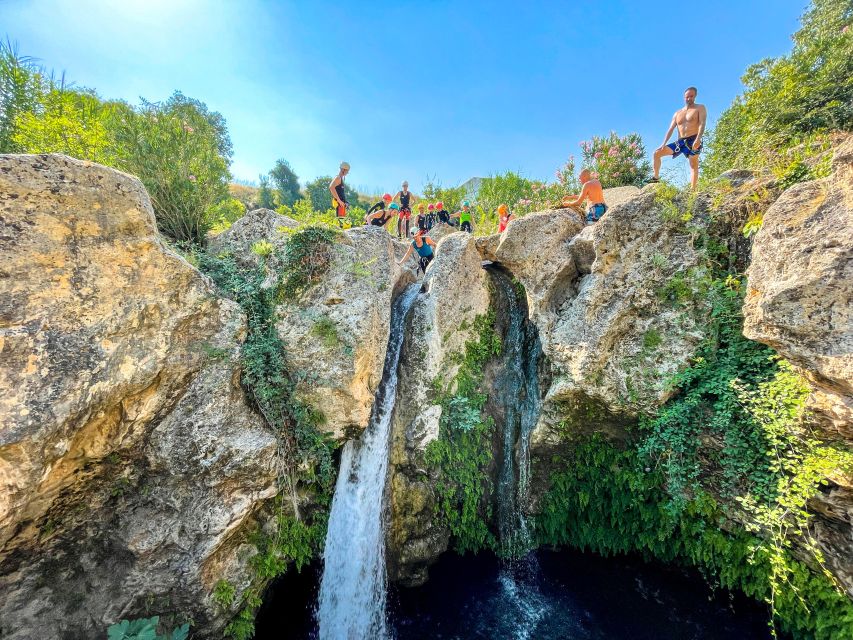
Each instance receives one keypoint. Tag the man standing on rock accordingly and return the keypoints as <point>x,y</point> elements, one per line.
<point>691,125</point>
<point>339,196</point>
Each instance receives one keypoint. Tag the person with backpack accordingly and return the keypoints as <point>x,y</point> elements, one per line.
<point>423,245</point>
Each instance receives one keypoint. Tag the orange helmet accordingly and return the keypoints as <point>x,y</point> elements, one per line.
<point>503,209</point>
<point>421,206</point>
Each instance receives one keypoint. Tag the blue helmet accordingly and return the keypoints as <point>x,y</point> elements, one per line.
<point>394,206</point>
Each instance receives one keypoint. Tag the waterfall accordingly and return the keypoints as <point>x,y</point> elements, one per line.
<point>517,388</point>
<point>352,590</point>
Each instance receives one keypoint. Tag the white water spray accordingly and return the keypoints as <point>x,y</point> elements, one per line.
<point>352,591</point>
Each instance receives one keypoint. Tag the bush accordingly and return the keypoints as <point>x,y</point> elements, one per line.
<point>617,160</point>
<point>180,151</point>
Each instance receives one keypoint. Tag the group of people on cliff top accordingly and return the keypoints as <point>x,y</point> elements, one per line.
<point>690,121</point>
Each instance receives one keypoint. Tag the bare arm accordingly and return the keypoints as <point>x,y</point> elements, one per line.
<point>669,131</point>
<point>406,257</point>
<point>581,197</point>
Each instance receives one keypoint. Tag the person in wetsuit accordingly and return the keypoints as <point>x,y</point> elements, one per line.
<point>378,206</point>
<point>423,245</point>
<point>381,217</point>
<point>420,219</point>
<point>442,213</point>
<point>407,199</point>
<point>339,196</point>
<point>430,217</point>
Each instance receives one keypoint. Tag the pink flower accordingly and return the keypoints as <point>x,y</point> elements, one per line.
<point>192,178</point>
<point>597,155</point>
<point>846,28</point>
<point>613,151</point>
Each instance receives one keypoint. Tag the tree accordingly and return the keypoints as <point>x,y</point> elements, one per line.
<point>181,152</point>
<point>286,182</point>
<point>265,194</point>
<point>793,99</point>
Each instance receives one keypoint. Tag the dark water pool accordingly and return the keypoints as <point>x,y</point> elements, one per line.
<point>549,595</point>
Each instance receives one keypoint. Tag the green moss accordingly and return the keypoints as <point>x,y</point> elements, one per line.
<point>652,339</point>
<point>327,331</point>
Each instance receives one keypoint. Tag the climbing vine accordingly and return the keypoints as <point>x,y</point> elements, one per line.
<point>304,455</point>
<point>462,453</point>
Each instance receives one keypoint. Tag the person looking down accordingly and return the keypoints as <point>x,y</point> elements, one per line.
<point>464,216</point>
<point>423,245</point>
<point>339,196</point>
<point>591,191</point>
<point>380,218</point>
<point>407,199</point>
<point>379,206</point>
<point>504,216</point>
<point>690,120</point>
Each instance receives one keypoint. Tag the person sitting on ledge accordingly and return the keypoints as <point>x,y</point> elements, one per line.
<point>591,191</point>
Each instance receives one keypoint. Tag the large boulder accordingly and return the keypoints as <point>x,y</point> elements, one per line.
<point>455,293</point>
<point>336,331</point>
<point>801,287</point>
<point>256,226</point>
<point>128,454</point>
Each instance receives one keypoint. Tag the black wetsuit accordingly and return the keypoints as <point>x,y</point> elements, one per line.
<point>405,214</point>
<point>340,192</point>
<point>444,216</point>
<point>376,207</point>
<point>422,222</point>
<point>381,222</point>
<point>405,198</point>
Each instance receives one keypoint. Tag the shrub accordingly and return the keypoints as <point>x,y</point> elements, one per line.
<point>617,160</point>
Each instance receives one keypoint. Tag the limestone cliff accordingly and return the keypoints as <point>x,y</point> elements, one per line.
<point>129,458</point>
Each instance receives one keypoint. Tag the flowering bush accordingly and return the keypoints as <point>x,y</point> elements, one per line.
<point>618,160</point>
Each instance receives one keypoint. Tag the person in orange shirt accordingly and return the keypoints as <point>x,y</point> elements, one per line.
<point>591,191</point>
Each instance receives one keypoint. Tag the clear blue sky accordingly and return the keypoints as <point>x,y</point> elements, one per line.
<point>410,89</point>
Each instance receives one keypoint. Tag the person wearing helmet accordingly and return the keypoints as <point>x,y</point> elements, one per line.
<point>380,218</point>
<point>442,213</point>
<point>407,199</point>
<point>381,205</point>
<point>504,216</point>
<point>420,219</point>
<point>466,222</point>
<point>339,196</point>
<point>430,217</point>
<point>423,245</point>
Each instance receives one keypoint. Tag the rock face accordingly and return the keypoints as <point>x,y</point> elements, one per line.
<point>337,331</point>
<point>455,293</point>
<point>255,226</point>
<point>128,455</point>
<point>801,287</point>
<point>799,302</point>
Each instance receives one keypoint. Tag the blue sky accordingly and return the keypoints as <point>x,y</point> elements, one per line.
<point>410,90</point>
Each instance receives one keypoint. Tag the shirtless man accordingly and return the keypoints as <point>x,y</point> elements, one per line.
<point>691,125</point>
<point>591,191</point>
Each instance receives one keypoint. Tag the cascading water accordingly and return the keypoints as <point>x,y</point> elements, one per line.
<point>353,587</point>
<point>517,390</point>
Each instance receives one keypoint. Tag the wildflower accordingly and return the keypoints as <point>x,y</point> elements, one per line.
<point>597,155</point>
<point>188,128</point>
<point>192,178</point>
<point>846,28</point>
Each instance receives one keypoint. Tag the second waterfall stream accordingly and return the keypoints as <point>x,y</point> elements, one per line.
<point>353,587</point>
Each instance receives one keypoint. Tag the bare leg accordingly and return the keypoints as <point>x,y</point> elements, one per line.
<point>660,153</point>
<point>694,170</point>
